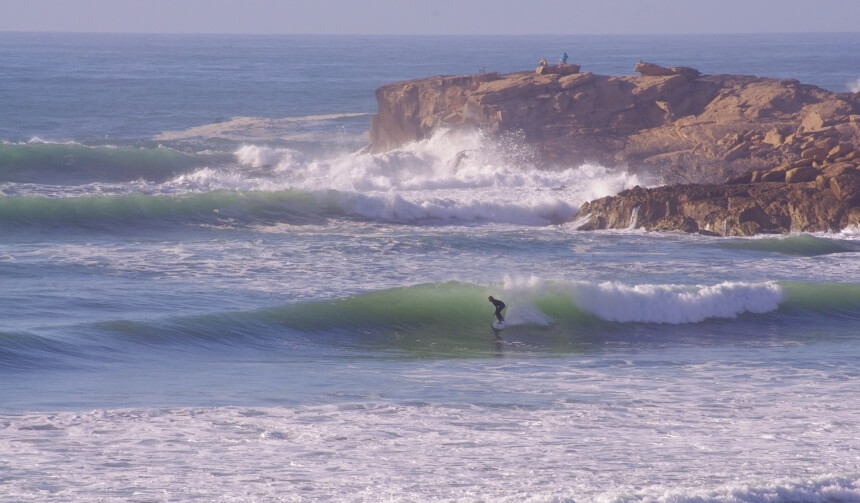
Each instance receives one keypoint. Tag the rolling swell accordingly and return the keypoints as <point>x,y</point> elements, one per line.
<point>803,245</point>
<point>251,207</point>
<point>839,300</point>
<point>457,311</point>
<point>452,319</point>
<point>161,210</point>
<point>22,351</point>
<point>73,163</point>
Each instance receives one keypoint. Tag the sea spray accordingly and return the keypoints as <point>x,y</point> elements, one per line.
<point>675,303</point>
<point>653,303</point>
<point>446,161</point>
<point>456,178</point>
<point>460,177</point>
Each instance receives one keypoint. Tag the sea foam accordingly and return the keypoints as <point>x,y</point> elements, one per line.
<point>461,176</point>
<point>652,303</point>
<point>450,178</point>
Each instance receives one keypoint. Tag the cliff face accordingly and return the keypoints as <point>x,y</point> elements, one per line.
<point>675,122</point>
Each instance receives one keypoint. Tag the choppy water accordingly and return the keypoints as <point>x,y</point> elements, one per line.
<point>211,293</point>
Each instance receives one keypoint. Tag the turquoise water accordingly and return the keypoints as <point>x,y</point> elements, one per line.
<point>210,292</point>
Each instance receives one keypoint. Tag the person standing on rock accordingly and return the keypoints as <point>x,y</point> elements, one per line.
<point>563,59</point>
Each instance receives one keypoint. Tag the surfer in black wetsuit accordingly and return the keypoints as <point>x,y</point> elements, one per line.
<point>499,306</point>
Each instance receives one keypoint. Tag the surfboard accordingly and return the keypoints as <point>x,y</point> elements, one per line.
<point>498,325</point>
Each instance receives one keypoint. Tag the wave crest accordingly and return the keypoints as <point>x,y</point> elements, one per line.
<point>462,176</point>
<point>456,178</point>
<point>452,319</point>
<point>649,303</point>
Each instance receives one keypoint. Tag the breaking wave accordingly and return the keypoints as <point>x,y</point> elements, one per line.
<point>238,208</point>
<point>451,319</point>
<point>449,178</point>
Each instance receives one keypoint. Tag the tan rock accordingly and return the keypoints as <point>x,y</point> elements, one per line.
<point>575,80</point>
<point>827,142</point>
<point>850,156</point>
<point>839,150</point>
<point>836,169</point>
<point>559,69</point>
<point>686,71</point>
<point>814,153</point>
<point>652,70</point>
<point>774,138</point>
<point>775,175</point>
<point>800,175</point>
<point>722,209</point>
<point>743,179</point>
<point>801,163</point>
<point>807,141</point>
<point>737,151</point>
<point>846,186</point>
<point>812,121</point>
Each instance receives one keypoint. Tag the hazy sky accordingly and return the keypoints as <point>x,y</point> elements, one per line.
<point>564,17</point>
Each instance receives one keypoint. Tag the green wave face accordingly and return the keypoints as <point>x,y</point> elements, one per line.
<point>454,319</point>
<point>834,299</point>
<point>74,163</point>
<point>157,210</point>
<point>448,319</point>
<point>440,319</point>
<point>803,245</point>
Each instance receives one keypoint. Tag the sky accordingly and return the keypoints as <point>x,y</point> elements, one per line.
<point>431,17</point>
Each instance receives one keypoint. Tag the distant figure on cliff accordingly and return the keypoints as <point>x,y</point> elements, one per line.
<point>563,59</point>
<point>542,61</point>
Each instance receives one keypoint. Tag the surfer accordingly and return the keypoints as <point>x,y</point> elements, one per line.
<point>499,306</point>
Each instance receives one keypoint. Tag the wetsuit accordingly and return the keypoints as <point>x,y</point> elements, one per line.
<point>499,306</point>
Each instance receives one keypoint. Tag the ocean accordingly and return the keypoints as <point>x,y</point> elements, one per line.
<point>211,291</point>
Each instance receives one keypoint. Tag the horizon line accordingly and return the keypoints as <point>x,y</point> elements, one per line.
<point>475,35</point>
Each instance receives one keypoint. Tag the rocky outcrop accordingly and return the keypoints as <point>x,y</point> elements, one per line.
<point>819,192</point>
<point>559,69</point>
<point>669,121</point>
<point>827,201</point>
<point>780,155</point>
<point>652,70</point>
